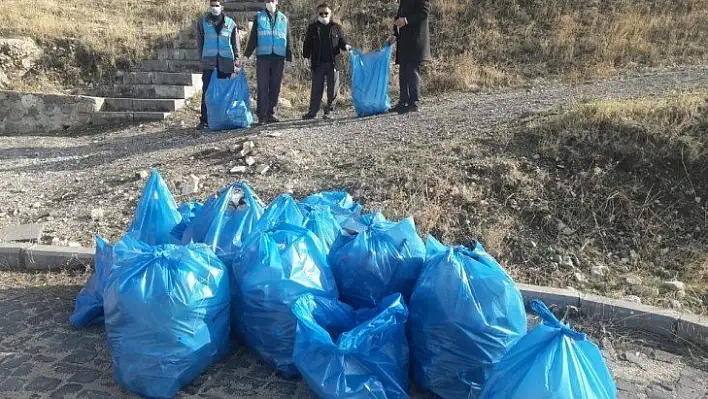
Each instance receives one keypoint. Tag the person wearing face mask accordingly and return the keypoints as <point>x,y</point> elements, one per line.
<point>270,39</point>
<point>412,38</point>
<point>321,49</point>
<point>218,44</point>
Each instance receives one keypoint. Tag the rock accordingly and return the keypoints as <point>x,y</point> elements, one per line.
<point>633,280</point>
<point>632,357</point>
<point>664,251</point>
<point>599,270</point>
<point>675,304</point>
<point>74,244</point>
<point>596,170</point>
<point>238,169</point>
<point>608,349</point>
<point>36,205</point>
<point>580,277</point>
<point>674,285</point>
<point>632,298</point>
<point>285,103</point>
<point>97,214</point>
<point>17,57</point>
<point>633,254</point>
<point>56,241</point>
<point>262,169</point>
<point>142,175</point>
<point>650,292</point>
<point>274,134</point>
<point>698,200</point>
<point>567,262</point>
<point>680,294</point>
<point>191,186</point>
<point>250,161</point>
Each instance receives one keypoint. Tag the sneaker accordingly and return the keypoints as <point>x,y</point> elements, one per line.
<point>202,126</point>
<point>414,108</point>
<point>398,108</point>
<point>327,115</point>
<point>308,116</point>
<point>272,119</point>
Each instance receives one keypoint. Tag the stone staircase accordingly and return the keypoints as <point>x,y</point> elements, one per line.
<point>160,86</point>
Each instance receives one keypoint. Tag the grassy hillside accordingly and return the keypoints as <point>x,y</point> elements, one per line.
<point>481,43</point>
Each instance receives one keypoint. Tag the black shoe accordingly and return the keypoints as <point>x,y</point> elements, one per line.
<point>202,126</point>
<point>308,116</point>
<point>327,116</point>
<point>398,108</point>
<point>272,119</point>
<point>414,108</point>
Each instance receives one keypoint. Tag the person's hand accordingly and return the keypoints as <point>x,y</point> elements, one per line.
<point>401,22</point>
<point>306,62</point>
<point>391,39</point>
<point>348,47</point>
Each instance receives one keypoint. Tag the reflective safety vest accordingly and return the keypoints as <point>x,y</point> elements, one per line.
<point>272,37</point>
<point>218,44</point>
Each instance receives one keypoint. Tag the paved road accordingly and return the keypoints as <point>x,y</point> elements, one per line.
<point>40,356</point>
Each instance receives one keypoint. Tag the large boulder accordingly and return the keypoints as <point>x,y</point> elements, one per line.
<point>17,56</point>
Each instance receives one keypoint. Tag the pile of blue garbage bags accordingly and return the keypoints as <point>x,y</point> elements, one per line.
<point>355,304</point>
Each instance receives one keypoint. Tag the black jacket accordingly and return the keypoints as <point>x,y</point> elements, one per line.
<point>312,46</point>
<point>413,40</point>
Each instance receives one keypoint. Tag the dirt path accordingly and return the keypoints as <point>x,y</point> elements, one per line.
<point>60,179</point>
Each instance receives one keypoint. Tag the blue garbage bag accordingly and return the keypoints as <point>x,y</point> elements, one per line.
<point>465,314</point>
<point>370,76</point>
<point>551,361</point>
<point>283,209</point>
<point>157,213</point>
<point>228,102</point>
<point>187,210</point>
<point>88,309</point>
<point>272,270</point>
<point>225,220</point>
<point>379,258</point>
<point>322,222</point>
<point>339,202</point>
<point>167,315</point>
<point>347,353</point>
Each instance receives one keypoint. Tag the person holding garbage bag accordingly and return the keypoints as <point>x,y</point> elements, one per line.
<point>412,38</point>
<point>270,39</point>
<point>218,44</point>
<point>321,49</point>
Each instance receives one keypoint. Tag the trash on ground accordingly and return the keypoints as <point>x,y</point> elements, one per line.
<point>374,258</point>
<point>88,309</point>
<point>346,353</point>
<point>465,314</point>
<point>228,102</point>
<point>166,315</point>
<point>552,361</point>
<point>274,268</point>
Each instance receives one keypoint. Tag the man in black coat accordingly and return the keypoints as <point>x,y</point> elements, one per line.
<point>412,36</point>
<point>321,51</point>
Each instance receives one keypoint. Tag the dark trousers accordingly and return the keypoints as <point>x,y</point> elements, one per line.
<point>206,78</point>
<point>269,74</point>
<point>321,73</point>
<point>409,81</point>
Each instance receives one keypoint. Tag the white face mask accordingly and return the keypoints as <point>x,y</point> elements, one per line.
<point>215,11</point>
<point>270,7</point>
<point>323,20</point>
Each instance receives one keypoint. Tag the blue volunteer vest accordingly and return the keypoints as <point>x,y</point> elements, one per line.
<point>272,38</point>
<point>218,45</point>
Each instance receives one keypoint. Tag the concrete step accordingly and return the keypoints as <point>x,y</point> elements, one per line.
<point>161,78</point>
<point>155,91</point>
<point>103,118</point>
<point>170,66</point>
<point>243,6</point>
<point>142,105</point>
<point>188,44</point>
<point>178,54</point>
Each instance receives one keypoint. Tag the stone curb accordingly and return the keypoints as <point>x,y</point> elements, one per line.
<point>43,257</point>
<point>650,320</point>
<point>665,323</point>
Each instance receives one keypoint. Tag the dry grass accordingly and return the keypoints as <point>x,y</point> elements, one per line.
<point>88,40</point>
<point>476,44</point>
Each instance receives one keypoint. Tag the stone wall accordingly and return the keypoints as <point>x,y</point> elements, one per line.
<point>30,113</point>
